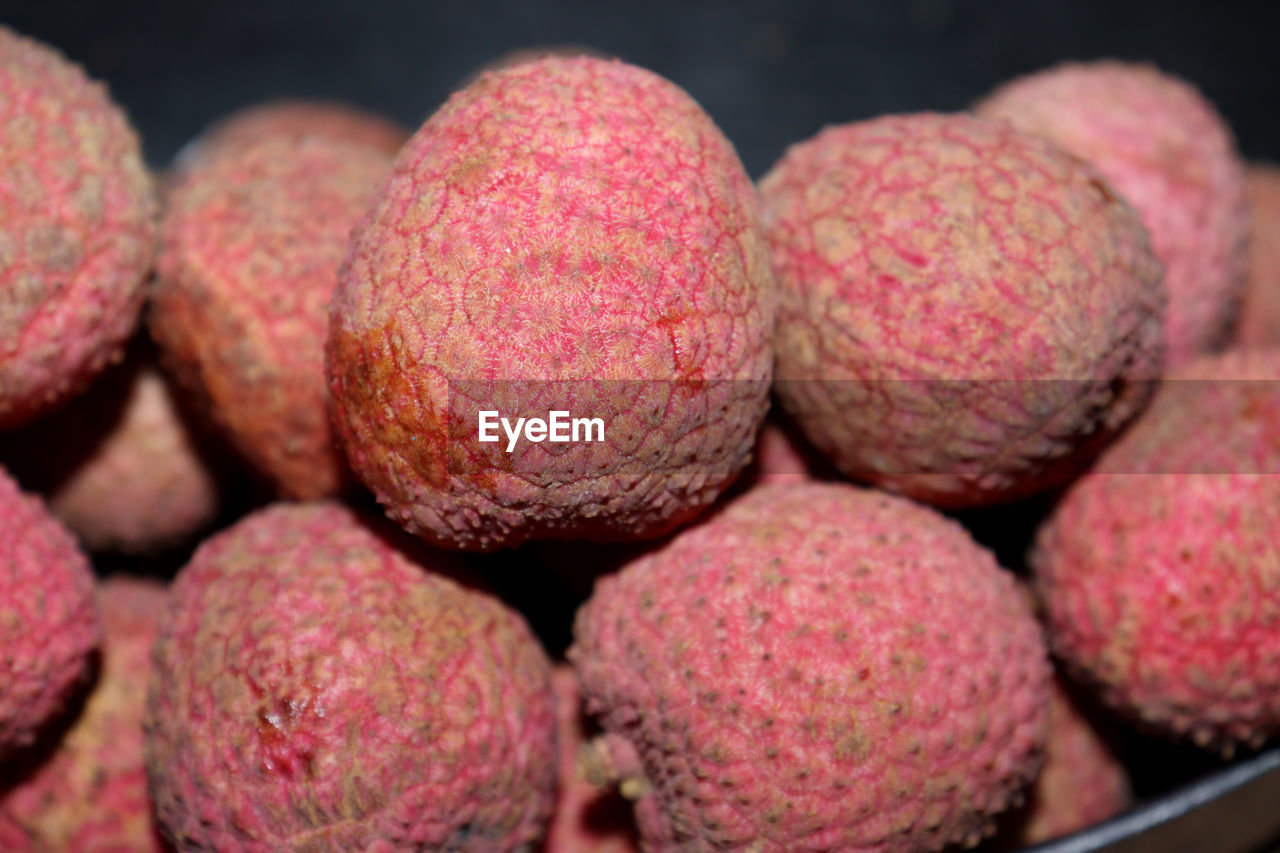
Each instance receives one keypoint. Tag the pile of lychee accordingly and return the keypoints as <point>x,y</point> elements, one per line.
<point>790,640</point>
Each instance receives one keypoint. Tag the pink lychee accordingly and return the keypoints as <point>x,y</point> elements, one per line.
<point>781,456</point>
<point>816,667</point>
<point>90,794</point>
<point>121,465</point>
<point>49,625</point>
<point>1083,782</point>
<point>968,312</point>
<point>251,243</point>
<point>316,687</point>
<point>294,118</point>
<point>1165,148</point>
<point>1260,313</point>
<point>568,235</point>
<point>77,228</point>
<point>1160,572</point>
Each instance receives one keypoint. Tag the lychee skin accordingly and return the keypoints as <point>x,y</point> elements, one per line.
<point>251,243</point>
<point>818,667</point>
<point>571,234</point>
<point>77,228</point>
<point>1260,313</point>
<point>967,311</point>
<point>90,794</point>
<point>1168,152</point>
<point>48,622</point>
<point>130,476</point>
<point>316,689</point>
<point>1082,783</point>
<point>587,819</point>
<point>295,119</point>
<point>1159,570</point>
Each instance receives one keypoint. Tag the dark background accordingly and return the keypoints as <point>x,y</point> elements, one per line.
<point>770,73</point>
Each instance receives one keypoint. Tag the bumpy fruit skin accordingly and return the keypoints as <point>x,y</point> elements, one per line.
<point>77,228</point>
<point>1168,152</point>
<point>90,794</point>
<point>817,667</point>
<point>130,474</point>
<point>1082,783</point>
<point>316,689</point>
<point>587,819</point>
<point>1160,572</point>
<point>1260,313</point>
<point>251,243</point>
<point>48,622</point>
<point>573,235</point>
<point>967,311</point>
<point>295,119</point>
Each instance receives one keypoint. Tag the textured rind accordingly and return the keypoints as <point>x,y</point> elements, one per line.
<point>818,667</point>
<point>315,689</point>
<point>1260,313</point>
<point>130,475</point>
<point>77,228</point>
<point>587,819</point>
<point>1082,783</point>
<point>579,232</point>
<point>48,622</point>
<point>90,794</point>
<point>1168,152</point>
<point>1160,571</point>
<point>967,311</point>
<point>251,243</point>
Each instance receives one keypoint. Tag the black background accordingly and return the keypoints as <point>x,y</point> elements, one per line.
<point>770,73</point>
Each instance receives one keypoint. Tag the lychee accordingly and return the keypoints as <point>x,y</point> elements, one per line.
<point>1159,570</point>
<point>317,688</point>
<point>569,235</point>
<point>130,473</point>
<point>77,228</point>
<point>1166,150</point>
<point>967,311</point>
<point>49,625</point>
<point>89,795</point>
<point>781,455</point>
<point>252,240</point>
<point>816,667</point>
<point>587,819</point>
<point>294,119</point>
<point>1083,782</point>
<point>1260,313</point>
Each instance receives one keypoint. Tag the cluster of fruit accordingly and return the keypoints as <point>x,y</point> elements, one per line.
<point>795,643</point>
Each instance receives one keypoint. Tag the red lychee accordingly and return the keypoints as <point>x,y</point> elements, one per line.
<point>316,687</point>
<point>252,240</point>
<point>1159,571</point>
<point>570,235</point>
<point>1260,313</point>
<point>90,794</point>
<point>816,667</point>
<point>967,311</point>
<point>77,228</point>
<point>1163,147</point>
<point>49,625</point>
